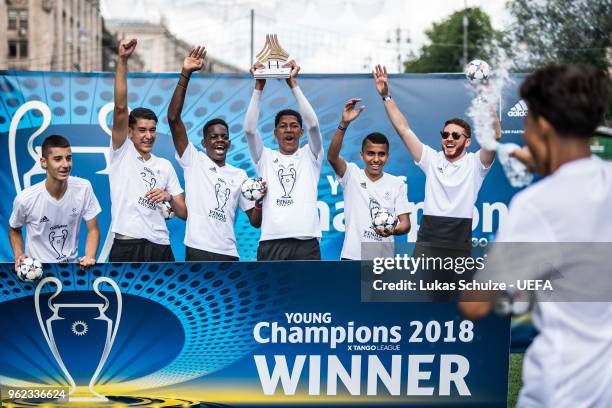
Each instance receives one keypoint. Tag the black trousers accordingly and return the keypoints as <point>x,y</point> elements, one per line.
<point>289,249</point>
<point>194,254</point>
<point>139,250</point>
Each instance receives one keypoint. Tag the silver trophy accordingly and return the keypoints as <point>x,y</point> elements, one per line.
<point>273,57</point>
<point>80,337</point>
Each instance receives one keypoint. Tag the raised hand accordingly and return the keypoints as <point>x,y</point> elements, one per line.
<point>259,83</point>
<point>381,79</point>
<point>295,69</point>
<point>349,113</point>
<point>195,60</point>
<point>127,47</point>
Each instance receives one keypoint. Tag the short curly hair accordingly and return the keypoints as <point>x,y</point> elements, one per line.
<point>571,98</point>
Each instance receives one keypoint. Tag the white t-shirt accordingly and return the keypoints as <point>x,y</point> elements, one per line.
<point>131,177</point>
<point>362,198</point>
<point>212,196</point>
<point>451,189</point>
<point>568,363</point>
<point>290,204</point>
<point>52,226</point>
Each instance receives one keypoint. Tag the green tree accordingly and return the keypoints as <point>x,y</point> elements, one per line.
<point>560,31</point>
<point>444,53</point>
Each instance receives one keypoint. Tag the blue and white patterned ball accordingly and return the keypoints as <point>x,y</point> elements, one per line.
<point>477,71</point>
<point>29,270</point>
<point>253,189</point>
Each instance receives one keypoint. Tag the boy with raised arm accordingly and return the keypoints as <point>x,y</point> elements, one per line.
<point>212,185</point>
<point>290,228</point>
<point>139,180</point>
<point>367,190</point>
<point>52,211</point>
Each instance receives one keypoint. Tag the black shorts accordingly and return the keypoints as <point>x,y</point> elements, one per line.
<point>139,250</point>
<point>289,249</point>
<point>195,255</point>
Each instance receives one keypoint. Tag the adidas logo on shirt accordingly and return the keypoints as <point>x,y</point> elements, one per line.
<point>44,219</point>
<point>363,185</point>
<point>213,169</point>
<point>520,109</point>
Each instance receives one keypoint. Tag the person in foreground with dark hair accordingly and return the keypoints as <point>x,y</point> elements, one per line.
<point>568,363</point>
<point>368,190</point>
<point>52,211</point>
<point>290,228</point>
<point>213,186</point>
<point>139,180</point>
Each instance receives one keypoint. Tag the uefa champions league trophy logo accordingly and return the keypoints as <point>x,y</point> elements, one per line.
<point>80,337</point>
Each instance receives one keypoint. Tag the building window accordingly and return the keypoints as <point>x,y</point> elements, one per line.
<point>18,49</point>
<point>23,19</point>
<point>17,20</point>
<point>12,19</point>
<point>12,49</point>
<point>23,49</point>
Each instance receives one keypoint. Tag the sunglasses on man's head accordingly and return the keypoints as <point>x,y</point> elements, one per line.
<point>455,135</point>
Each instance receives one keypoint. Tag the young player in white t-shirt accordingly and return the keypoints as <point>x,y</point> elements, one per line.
<point>453,176</point>
<point>290,228</point>
<point>367,190</point>
<point>212,185</point>
<point>139,180</point>
<point>568,363</point>
<point>52,211</point>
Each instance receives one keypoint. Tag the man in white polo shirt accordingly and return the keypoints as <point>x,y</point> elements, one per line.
<point>367,190</point>
<point>290,228</point>
<point>568,363</point>
<point>139,180</point>
<point>453,176</point>
<point>52,211</point>
<point>213,186</point>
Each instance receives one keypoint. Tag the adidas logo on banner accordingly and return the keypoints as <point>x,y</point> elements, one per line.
<point>520,109</point>
<point>44,219</point>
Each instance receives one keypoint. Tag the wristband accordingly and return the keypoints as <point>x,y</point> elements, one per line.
<point>386,98</point>
<point>185,76</point>
<point>343,129</point>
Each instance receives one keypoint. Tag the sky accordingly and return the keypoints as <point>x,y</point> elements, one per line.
<point>323,36</point>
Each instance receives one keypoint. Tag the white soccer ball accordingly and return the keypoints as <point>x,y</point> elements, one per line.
<point>29,270</point>
<point>166,210</point>
<point>477,71</point>
<point>253,189</point>
<point>384,219</point>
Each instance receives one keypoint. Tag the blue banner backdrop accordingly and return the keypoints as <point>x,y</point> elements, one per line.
<point>245,334</point>
<point>79,106</point>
